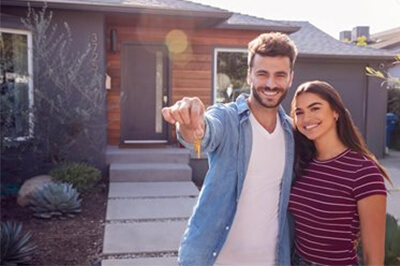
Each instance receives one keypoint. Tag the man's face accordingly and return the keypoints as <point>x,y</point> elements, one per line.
<point>269,79</point>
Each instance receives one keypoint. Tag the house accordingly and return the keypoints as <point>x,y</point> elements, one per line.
<point>388,40</point>
<point>153,53</point>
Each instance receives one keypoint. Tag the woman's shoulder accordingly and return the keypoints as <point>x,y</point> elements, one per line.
<point>357,157</point>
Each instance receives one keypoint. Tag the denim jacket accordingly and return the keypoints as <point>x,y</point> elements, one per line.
<point>228,142</point>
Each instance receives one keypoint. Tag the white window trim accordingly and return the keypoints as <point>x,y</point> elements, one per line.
<point>30,79</point>
<point>216,50</point>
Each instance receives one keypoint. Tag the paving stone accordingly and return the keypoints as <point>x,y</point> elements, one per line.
<point>122,238</point>
<point>142,261</point>
<point>152,189</point>
<point>149,172</point>
<point>155,208</point>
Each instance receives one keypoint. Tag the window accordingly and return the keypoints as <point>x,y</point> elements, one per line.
<point>230,73</point>
<point>16,89</point>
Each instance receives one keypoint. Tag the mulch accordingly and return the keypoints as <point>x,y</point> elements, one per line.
<point>70,241</point>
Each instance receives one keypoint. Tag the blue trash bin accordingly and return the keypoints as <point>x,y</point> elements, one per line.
<point>391,121</point>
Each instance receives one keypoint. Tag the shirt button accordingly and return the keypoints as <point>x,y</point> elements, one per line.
<point>215,254</point>
<point>227,228</point>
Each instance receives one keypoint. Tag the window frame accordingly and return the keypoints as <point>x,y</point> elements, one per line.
<point>30,79</point>
<point>215,73</point>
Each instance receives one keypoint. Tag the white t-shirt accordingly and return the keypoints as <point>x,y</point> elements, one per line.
<point>252,239</point>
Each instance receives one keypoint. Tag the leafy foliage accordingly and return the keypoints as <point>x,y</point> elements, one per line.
<point>68,92</point>
<point>393,85</point>
<point>69,98</point>
<point>55,199</point>
<point>392,241</point>
<point>82,176</point>
<point>16,247</point>
<point>390,81</point>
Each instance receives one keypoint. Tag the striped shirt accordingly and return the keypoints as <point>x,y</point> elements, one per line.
<point>323,202</point>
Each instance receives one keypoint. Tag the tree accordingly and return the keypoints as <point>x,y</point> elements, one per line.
<point>69,99</point>
<point>393,85</point>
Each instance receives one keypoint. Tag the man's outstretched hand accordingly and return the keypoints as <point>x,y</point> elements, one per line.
<point>188,114</point>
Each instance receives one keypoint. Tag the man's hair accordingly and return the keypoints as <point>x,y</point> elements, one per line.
<point>272,44</point>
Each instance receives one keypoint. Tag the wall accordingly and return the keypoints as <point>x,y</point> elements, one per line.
<point>191,69</point>
<point>87,29</point>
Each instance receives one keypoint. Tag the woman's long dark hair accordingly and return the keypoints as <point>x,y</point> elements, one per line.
<point>348,133</point>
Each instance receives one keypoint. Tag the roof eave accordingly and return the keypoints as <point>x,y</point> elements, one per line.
<point>284,29</point>
<point>350,57</point>
<point>122,9</point>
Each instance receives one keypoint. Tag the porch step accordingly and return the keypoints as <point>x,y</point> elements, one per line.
<point>166,155</point>
<point>149,172</point>
<point>143,237</point>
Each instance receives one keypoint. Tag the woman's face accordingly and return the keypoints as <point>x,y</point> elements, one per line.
<point>314,117</point>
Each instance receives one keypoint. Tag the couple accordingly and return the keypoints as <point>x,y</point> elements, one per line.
<point>330,183</point>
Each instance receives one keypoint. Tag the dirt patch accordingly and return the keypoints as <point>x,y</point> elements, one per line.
<point>72,241</point>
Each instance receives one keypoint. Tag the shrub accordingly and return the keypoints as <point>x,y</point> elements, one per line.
<point>55,199</point>
<point>16,248</point>
<point>392,241</point>
<point>82,176</point>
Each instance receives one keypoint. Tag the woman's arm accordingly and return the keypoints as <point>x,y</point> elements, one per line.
<point>372,213</point>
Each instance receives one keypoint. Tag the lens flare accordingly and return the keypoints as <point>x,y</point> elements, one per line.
<point>176,41</point>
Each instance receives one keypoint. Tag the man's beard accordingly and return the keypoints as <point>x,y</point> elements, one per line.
<point>266,105</point>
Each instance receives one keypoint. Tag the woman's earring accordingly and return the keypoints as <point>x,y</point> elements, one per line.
<point>336,118</point>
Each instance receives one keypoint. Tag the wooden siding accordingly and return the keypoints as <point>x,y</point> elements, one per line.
<point>191,70</point>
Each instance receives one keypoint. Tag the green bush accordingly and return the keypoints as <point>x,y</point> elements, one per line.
<point>392,241</point>
<point>82,176</point>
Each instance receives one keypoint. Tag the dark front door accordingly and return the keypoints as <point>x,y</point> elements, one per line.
<point>144,82</point>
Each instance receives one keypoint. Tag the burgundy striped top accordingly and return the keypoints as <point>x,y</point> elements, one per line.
<point>323,202</point>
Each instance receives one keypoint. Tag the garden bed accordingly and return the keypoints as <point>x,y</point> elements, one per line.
<point>72,241</point>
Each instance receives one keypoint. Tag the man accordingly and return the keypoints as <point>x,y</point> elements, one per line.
<point>240,217</point>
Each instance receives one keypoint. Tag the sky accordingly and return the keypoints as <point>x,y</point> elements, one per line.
<point>330,16</point>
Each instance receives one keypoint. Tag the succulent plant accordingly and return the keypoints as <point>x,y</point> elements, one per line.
<point>16,248</point>
<point>55,199</point>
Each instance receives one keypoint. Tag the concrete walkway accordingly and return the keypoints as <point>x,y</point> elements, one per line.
<point>145,222</point>
<point>150,200</point>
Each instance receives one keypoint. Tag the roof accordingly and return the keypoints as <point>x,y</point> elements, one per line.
<point>389,39</point>
<point>313,42</point>
<point>167,7</point>
<point>242,21</point>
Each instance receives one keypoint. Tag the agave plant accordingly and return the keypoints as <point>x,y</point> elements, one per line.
<point>16,248</point>
<point>55,199</point>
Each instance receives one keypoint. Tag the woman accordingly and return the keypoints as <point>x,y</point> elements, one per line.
<point>339,194</point>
